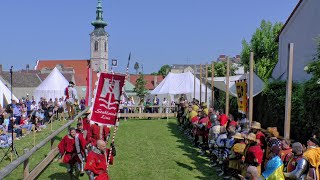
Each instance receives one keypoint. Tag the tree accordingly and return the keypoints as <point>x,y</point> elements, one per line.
<point>263,44</point>
<point>314,67</point>
<point>164,70</point>
<point>220,69</point>
<point>136,67</point>
<point>154,73</point>
<point>140,87</point>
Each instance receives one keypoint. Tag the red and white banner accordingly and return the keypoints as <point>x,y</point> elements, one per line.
<point>107,97</point>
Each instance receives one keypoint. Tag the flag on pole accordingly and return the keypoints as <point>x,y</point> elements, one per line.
<point>107,98</point>
<point>129,60</point>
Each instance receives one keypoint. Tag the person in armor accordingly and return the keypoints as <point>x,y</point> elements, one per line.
<point>72,150</point>
<point>98,132</point>
<point>297,165</point>
<point>71,97</point>
<point>96,166</point>
<point>312,156</point>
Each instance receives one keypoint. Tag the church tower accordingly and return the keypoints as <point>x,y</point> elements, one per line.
<point>99,42</point>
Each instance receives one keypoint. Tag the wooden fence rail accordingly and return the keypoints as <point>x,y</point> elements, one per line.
<point>24,159</point>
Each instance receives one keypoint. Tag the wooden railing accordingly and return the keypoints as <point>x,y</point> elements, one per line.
<point>24,159</point>
<point>140,112</point>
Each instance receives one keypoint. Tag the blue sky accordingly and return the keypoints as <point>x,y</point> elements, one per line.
<point>156,32</point>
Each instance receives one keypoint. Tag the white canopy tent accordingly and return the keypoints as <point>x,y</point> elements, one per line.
<point>5,95</point>
<point>220,83</point>
<point>181,83</point>
<point>52,87</point>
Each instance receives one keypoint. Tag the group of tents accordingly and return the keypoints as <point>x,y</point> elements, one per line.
<point>53,86</point>
<point>173,84</point>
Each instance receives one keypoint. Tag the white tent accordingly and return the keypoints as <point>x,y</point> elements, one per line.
<point>52,87</point>
<point>220,83</point>
<point>5,95</point>
<point>182,83</point>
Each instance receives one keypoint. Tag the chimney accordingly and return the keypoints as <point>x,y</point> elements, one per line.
<point>155,81</point>
<point>0,68</point>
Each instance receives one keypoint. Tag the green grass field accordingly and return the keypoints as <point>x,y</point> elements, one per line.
<point>146,149</point>
<point>149,149</point>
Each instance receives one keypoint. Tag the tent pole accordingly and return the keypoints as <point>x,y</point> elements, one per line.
<point>212,84</point>
<point>200,82</point>
<point>206,95</point>
<point>227,86</point>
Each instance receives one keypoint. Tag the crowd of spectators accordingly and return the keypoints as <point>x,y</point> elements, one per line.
<point>27,115</point>
<point>237,149</point>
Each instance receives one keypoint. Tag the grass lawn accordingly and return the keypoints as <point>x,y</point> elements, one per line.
<point>149,149</point>
<point>27,142</point>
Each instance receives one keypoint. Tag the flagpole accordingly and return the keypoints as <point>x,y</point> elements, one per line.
<point>200,83</point>
<point>212,84</point>
<point>118,115</point>
<point>227,86</point>
<point>194,81</point>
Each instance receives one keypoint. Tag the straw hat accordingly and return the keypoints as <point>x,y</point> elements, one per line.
<point>195,108</point>
<point>89,111</point>
<point>255,125</point>
<point>251,137</point>
<point>237,136</point>
<point>273,131</point>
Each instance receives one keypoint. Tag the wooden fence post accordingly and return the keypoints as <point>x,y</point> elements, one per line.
<point>26,165</point>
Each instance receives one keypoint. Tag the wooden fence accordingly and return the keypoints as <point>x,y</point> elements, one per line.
<point>24,159</point>
<point>156,112</point>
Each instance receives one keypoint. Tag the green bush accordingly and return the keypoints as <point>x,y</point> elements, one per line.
<point>269,108</point>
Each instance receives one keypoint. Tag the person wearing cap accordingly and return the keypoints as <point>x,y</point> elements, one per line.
<point>12,127</point>
<point>256,129</point>
<point>297,166</point>
<point>253,153</point>
<point>236,153</point>
<point>205,109</point>
<point>71,96</point>
<point>312,155</point>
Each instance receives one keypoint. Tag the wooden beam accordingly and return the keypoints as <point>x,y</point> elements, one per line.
<point>251,89</point>
<point>206,91</point>
<point>146,115</point>
<point>227,86</point>
<point>287,121</point>
<point>200,83</point>
<point>42,165</point>
<point>26,165</point>
<point>212,84</point>
<point>194,81</point>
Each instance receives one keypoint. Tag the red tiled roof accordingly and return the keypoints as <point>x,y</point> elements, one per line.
<point>149,78</point>
<point>79,66</point>
<point>285,24</point>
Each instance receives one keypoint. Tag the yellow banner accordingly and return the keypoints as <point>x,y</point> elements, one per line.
<point>242,96</point>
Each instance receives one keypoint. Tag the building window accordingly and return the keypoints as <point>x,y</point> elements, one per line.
<point>96,46</point>
<point>105,46</point>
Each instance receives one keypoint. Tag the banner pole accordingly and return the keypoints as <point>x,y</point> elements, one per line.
<point>118,116</point>
<point>194,81</point>
<point>251,89</point>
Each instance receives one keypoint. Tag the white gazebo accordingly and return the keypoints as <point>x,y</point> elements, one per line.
<point>5,95</point>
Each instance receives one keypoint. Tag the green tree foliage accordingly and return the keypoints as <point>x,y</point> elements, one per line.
<point>220,69</point>
<point>314,67</point>
<point>154,73</point>
<point>136,67</point>
<point>263,44</point>
<point>164,70</point>
<point>140,87</point>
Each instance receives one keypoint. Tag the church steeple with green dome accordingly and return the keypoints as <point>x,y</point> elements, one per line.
<point>99,22</point>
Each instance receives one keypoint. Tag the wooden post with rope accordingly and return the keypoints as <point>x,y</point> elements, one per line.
<point>194,81</point>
